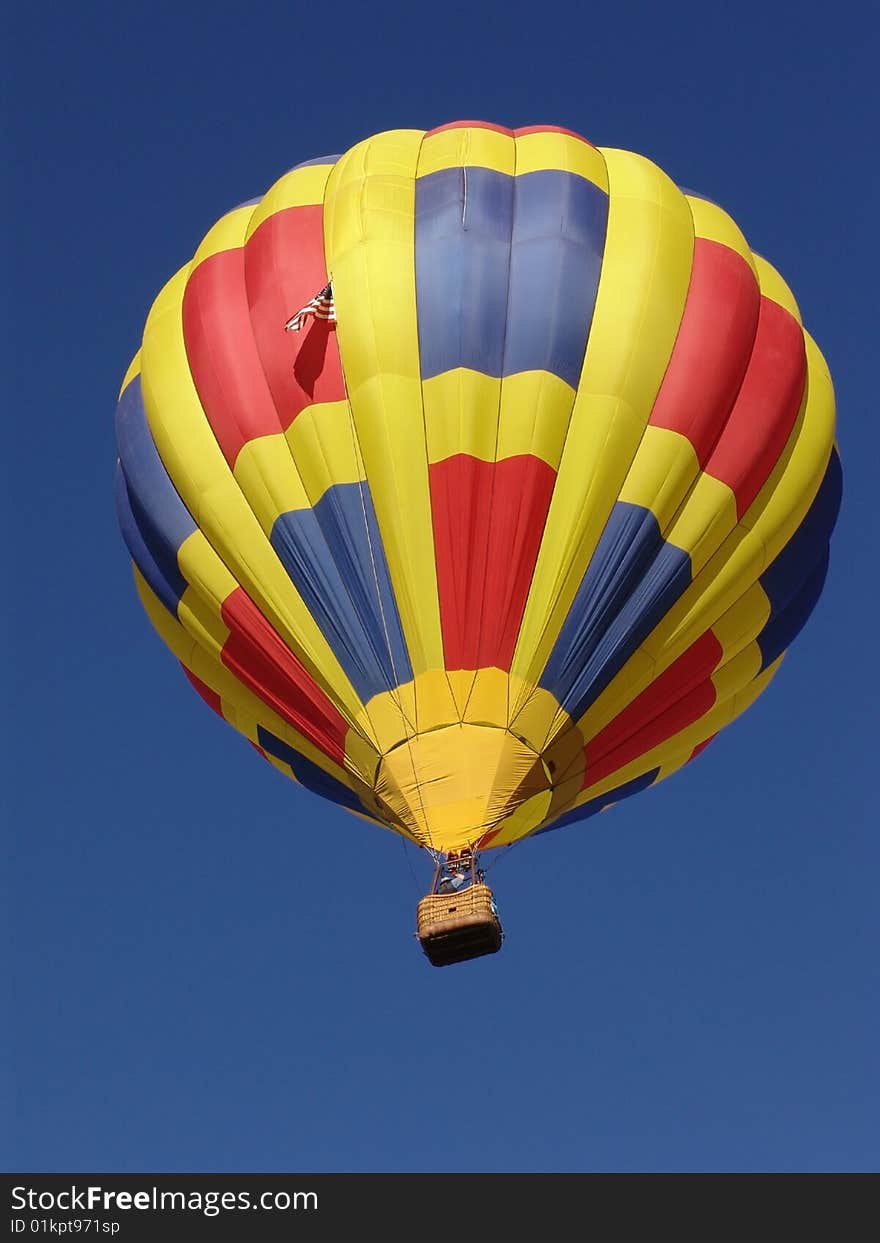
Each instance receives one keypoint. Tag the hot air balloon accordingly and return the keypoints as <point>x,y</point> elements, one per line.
<point>478,477</point>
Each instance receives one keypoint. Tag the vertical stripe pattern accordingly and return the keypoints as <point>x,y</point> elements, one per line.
<point>518,534</point>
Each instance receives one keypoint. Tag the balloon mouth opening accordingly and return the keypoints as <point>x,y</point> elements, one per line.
<point>451,786</point>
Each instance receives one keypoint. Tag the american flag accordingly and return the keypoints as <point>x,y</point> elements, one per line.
<point>320,307</point>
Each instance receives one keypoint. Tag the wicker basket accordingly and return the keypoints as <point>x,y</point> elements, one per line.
<point>453,927</point>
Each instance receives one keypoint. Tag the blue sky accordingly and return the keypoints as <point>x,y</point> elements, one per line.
<point>213,970</point>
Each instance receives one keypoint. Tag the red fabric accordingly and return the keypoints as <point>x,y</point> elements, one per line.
<point>253,378</point>
<point>499,129</point>
<point>488,521</point>
<point>512,133</point>
<point>712,349</point>
<point>222,354</point>
<point>284,268</point>
<point>551,129</point>
<point>680,696</point>
<point>261,660</point>
<point>211,698</point>
<point>701,746</point>
<point>766,407</point>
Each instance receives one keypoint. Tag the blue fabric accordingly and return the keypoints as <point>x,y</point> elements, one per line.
<point>796,562</point>
<point>507,270</point>
<point>558,241</point>
<point>154,519</point>
<point>595,805</point>
<point>793,582</point>
<point>165,579</point>
<point>362,627</point>
<point>633,579</point>
<point>785,625</point>
<point>321,159</point>
<point>698,194</point>
<point>462,261</point>
<point>307,773</point>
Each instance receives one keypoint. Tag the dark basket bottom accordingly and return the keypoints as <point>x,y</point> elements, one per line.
<point>471,940</point>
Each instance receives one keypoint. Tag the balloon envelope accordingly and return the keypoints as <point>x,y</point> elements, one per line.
<point>517,522</point>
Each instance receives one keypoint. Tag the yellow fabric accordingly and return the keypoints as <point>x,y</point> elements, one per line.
<point>213,497</point>
<point>450,757</point>
<point>369,213</point>
<point>645,274</point>
<point>451,785</point>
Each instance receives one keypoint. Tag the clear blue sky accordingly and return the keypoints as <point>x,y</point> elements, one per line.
<point>202,978</point>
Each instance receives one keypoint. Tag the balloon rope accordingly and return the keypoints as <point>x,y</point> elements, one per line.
<point>409,861</point>
<point>506,850</point>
